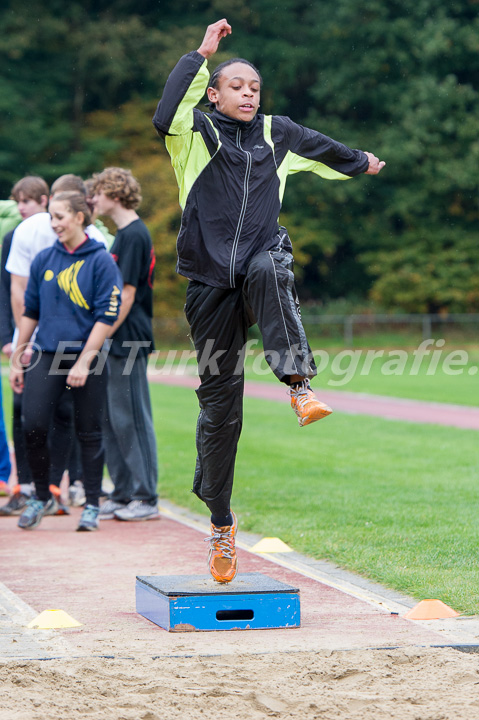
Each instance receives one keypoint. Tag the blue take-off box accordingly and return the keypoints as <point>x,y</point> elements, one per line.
<point>182,603</point>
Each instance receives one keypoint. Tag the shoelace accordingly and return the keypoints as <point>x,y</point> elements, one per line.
<point>135,504</point>
<point>89,513</point>
<point>301,394</point>
<point>222,541</point>
<point>35,506</point>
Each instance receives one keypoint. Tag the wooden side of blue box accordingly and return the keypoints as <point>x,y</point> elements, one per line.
<point>218,612</point>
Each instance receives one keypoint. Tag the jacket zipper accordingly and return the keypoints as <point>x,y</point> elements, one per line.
<point>243,209</point>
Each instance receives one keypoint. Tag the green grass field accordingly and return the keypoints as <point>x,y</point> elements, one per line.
<point>446,374</point>
<point>393,501</point>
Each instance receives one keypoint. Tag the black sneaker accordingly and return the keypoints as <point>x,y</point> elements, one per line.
<point>34,512</point>
<point>16,504</point>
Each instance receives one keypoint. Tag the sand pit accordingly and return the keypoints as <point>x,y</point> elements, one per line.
<point>420,684</point>
<point>119,666</point>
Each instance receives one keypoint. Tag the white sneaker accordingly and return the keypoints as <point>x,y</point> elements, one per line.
<point>108,509</point>
<point>76,494</point>
<point>138,510</point>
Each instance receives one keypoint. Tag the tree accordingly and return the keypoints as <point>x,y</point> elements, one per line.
<point>399,78</point>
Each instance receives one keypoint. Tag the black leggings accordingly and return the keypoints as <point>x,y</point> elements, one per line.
<point>43,390</point>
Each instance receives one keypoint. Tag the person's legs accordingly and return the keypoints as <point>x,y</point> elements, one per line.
<point>270,293</point>
<point>60,437</point>
<point>131,454</point>
<point>76,490</point>
<point>42,391</point>
<point>219,324</point>
<point>23,490</point>
<point>117,467</point>
<point>60,443</point>
<point>5,465</point>
<point>89,402</point>
<point>23,469</point>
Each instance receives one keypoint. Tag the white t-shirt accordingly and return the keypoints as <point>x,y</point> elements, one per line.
<point>35,234</point>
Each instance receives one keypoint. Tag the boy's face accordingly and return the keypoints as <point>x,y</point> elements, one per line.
<point>238,92</point>
<point>28,206</point>
<point>104,205</point>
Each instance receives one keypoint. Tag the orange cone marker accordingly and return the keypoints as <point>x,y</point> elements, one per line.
<point>431,610</point>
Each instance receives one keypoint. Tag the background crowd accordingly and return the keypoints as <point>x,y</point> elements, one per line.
<point>75,322</point>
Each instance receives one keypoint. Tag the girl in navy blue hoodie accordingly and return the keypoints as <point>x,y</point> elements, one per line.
<point>72,299</point>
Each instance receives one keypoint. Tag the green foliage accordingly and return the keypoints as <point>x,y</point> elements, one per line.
<point>399,78</point>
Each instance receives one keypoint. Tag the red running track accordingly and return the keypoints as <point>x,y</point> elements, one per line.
<point>417,411</point>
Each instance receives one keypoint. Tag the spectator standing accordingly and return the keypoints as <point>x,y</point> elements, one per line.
<point>130,442</point>
<point>73,296</point>
<point>34,234</point>
<point>29,197</point>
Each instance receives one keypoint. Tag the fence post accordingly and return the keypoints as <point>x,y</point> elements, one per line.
<point>348,329</point>
<point>426,327</point>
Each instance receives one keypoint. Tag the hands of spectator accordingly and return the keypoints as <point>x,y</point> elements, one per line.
<point>78,374</point>
<point>7,349</point>
<point>16,380</point>
<point>26,355</point>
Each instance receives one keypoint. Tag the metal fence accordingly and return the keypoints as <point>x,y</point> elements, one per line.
<point>174,330</point>
<point>428,325</point>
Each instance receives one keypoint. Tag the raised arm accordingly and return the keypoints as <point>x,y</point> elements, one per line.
<point>187,84</point>
<point>213,36</point>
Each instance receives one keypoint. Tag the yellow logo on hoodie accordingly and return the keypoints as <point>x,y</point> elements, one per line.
<point>67,280</point>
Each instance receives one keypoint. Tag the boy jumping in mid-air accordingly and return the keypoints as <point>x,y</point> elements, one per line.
<point>231,167</point>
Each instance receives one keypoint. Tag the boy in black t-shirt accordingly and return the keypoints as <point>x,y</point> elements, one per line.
<point>130,442</point>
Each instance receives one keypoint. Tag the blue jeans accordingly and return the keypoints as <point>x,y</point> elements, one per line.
<point>5,466</point>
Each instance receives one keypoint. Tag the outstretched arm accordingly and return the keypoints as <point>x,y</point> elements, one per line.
<point>213,36</point>
<point>375,165</point>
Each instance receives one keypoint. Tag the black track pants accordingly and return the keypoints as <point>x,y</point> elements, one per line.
<point>219,320</point>
<point>43,390</point>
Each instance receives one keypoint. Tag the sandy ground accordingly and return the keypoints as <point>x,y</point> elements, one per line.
<point>119,666</point>
<point>420,684</point>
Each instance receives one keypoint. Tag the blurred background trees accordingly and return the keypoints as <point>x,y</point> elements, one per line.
<point>79,82</point>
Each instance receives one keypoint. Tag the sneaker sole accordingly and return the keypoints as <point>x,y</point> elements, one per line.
<point>32,526</point>
<point>137,519</point>
<point>82,528</point>
<point>308,420</point>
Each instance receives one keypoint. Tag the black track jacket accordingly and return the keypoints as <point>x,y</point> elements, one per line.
<point>232,175</point>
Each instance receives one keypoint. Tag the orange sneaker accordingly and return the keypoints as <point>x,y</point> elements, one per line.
<point>222,559</point>
<point>306,405</point>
